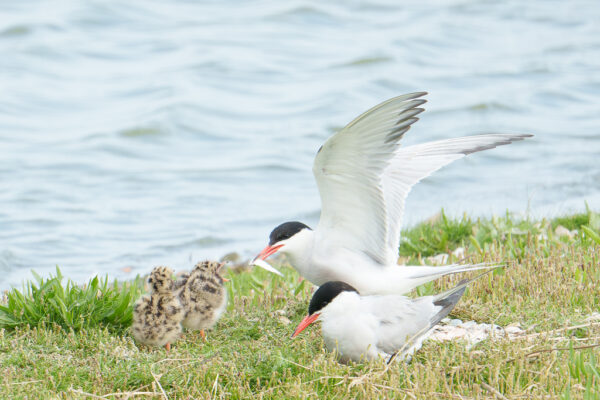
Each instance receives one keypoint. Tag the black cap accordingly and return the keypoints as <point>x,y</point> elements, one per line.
<point>286,231</point>
<point>326,293</point>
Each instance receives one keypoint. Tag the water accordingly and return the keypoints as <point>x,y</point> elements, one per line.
<point>167,132</point>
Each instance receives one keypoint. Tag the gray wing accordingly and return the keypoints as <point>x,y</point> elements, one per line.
<point>399,318</point>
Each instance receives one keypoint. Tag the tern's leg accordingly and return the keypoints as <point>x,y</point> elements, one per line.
<point>168,347</point>
<point>202,334</point>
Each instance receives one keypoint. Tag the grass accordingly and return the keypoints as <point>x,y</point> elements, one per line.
<point>49,302</point>
<point>550,288</point>
<point>439,235</point>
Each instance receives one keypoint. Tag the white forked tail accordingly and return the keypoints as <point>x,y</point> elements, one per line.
<point>418,272</point>
<point>402,279</point>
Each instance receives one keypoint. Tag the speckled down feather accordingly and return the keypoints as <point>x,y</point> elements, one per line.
<point>203,295</point>
<point>157,317</point>
<point>182,278</point>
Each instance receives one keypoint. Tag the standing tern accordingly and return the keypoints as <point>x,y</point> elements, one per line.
<point>369,327</point>
<point>364,176</point>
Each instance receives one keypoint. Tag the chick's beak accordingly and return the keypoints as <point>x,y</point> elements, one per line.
<point>305,323</point>
<point>219,268</point>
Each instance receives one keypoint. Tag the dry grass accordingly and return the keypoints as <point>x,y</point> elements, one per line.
<point>550,288</point>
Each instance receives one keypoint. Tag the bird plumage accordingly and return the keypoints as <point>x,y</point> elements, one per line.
<point>364,176</point>
<point>376,326</point>
<point>157,317</point>
<point>203,295</point>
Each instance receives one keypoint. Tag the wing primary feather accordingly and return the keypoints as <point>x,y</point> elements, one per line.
<point>410,113</point>
<point>397,133</point>
<point>509,139</point>
<point>413,163</point>
<point>348,170</point>
<point>413,103</point>
<point>447,300</point>
<point>405,122</point>
<point>398,99</point>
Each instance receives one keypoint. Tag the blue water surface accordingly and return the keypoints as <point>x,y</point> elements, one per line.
<point>141,133</point>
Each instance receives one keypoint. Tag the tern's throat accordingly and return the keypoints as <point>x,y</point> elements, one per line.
<point>298,249</point>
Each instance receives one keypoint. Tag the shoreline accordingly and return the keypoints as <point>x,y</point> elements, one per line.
<point>549,290</point>
<point>122,272</point>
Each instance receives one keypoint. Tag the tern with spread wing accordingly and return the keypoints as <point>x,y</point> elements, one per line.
<point>361,328</point>
<point>364,176</point>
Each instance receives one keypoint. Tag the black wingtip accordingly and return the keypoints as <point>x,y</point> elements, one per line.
<point>413,95</point>
<point>449,302</point>
<point>452,299</point>
<point>503,139</point>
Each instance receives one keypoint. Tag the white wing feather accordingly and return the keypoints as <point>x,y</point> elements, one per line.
<point>364,176</point>
<point>413,163</point>
<point>348,170</point>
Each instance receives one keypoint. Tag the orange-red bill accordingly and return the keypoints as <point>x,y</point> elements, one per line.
<point>305,323</point>
<point>267,251</point>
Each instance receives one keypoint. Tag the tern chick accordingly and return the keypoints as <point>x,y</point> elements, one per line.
<point>157,317</point>
<point>203,296</point>
<point>369,327</point>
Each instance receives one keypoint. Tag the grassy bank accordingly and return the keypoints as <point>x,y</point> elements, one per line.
<point>550,288</point>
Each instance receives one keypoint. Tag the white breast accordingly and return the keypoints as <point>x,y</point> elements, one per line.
<point>347,330</point>
<point>370,327</point>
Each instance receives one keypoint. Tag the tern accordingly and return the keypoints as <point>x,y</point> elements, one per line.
<point>364,176</point>
<point>376,326</point>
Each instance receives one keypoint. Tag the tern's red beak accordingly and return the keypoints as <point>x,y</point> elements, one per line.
<point>305,322</point>
<point>267,251</point>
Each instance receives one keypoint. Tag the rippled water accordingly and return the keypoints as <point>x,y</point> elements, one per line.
<point>167,132</point>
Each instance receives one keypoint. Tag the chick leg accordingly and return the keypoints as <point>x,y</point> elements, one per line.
<point>202,334</point>
<point>168,347</point>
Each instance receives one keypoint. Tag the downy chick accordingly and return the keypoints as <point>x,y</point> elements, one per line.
<point>203,296</point>
<point>182,278</point>
<point>157,317</point>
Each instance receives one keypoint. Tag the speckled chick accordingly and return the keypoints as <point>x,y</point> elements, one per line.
<point>157,317</point>
<point>182,278</point>
<point>203,296</point>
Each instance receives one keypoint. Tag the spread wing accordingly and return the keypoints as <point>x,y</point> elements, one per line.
<point>411,164</point>
<point>364,175</point>
<point>348,170</point>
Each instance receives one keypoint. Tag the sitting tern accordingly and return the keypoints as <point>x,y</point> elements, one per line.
<point>369,327</point>
<point>364,176</point>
